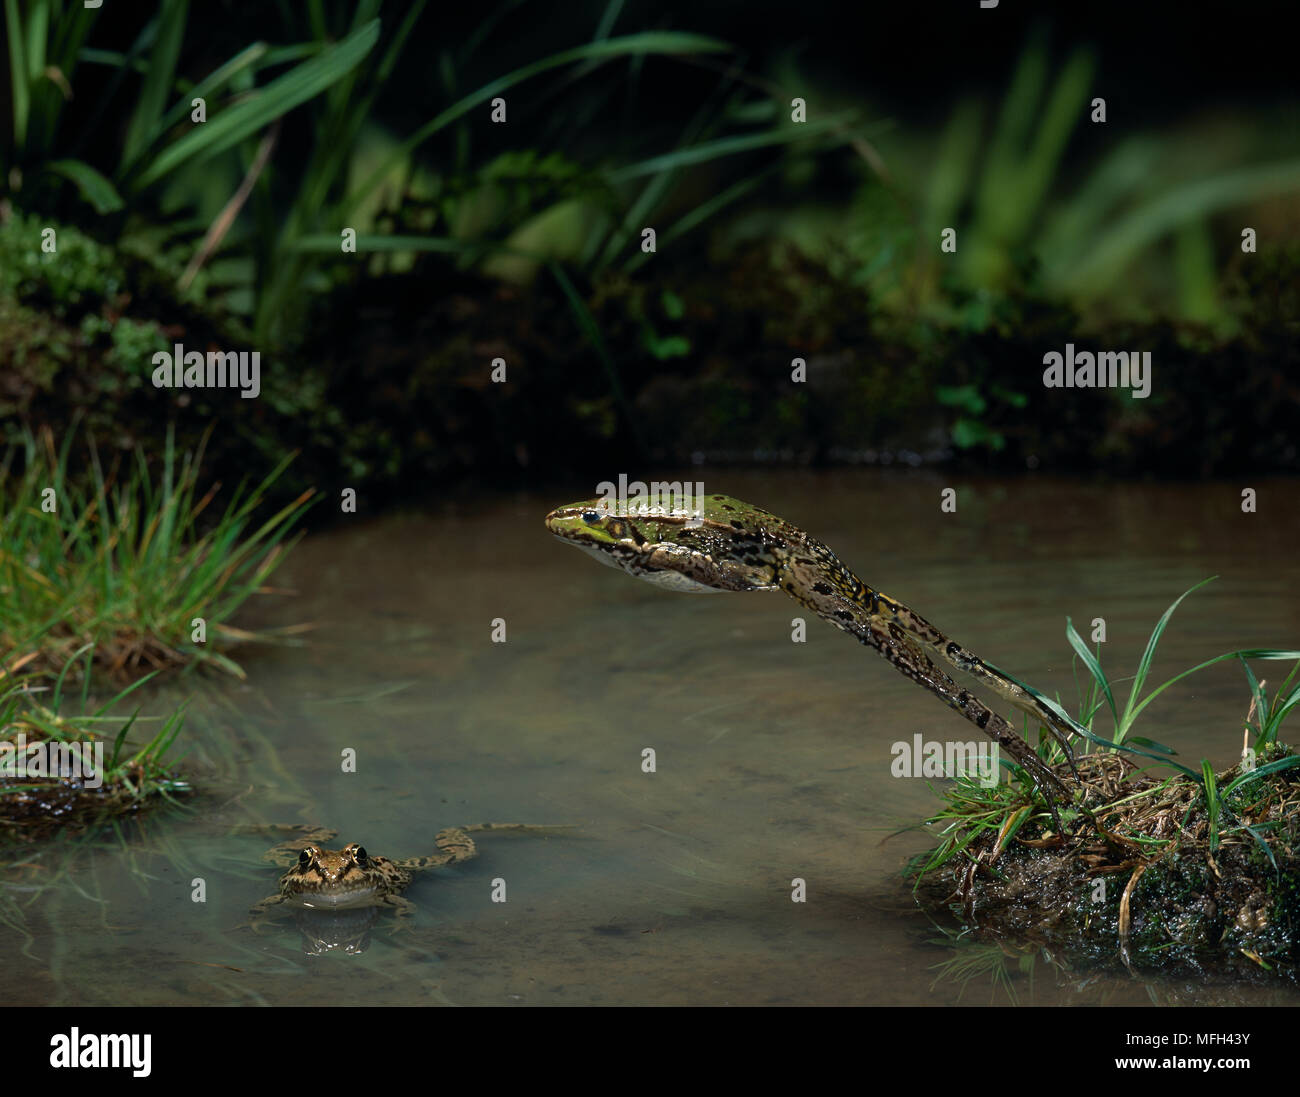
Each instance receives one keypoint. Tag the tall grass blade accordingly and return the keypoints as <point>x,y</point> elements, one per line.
<point>1211,788</point>
<point>94,188</point>
<point>157,86</point>
<point>1094,666</point>
<point>1144,664</point>
<point>668,42</point>
<point>275,100</point>
<point>1127,236</point>
<point>19,80</point>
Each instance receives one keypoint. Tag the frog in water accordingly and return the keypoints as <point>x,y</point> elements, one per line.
<point>343,879</point>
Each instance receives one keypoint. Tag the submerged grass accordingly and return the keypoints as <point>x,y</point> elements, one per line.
<point>1206,860</point>
<point>125,565</point>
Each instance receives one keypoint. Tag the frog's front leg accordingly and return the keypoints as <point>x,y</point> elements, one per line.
<point>403,910</point>
<point>258,916</point>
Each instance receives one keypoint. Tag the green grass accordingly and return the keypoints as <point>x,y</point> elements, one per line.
<point>132,776</point>
<point>972,813</point>
<point>48,40</point>
<point>129,565</point>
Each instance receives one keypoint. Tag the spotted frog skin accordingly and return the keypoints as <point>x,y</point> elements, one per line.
<point>723,544</point>
<point>340,879</point>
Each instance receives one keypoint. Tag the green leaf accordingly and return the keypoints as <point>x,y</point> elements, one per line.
<point>1281,706</point>
<point>696,216</point>
<point>968,432</point>
<point>279,97</point>
<point>94,188</point>
<point>629,45</point>
<point>18,77</point>
<point>57,697</point>
<point>1125,237</point>
<point>587,323</point>
<point>120,739</point>
<point>1094,667</point>
<point>158,77</point>
<point>330,244</point>
<point>1211,802</point>
<point>212,83</point>
<point>1074,725</point>
<point>1263,771</point>
<point>966,397</point>
<point>1143,741</point>
<point>1144,664</point>
<point>1257,692</point>
<point>1247,653</point>
<point>1015,399</point>
<point>1263,845</point>
<point>728,146</point>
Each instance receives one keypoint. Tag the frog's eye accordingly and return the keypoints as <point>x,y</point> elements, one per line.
<point>304,858</point>
<point>359,855</point>
<point>591,517</point>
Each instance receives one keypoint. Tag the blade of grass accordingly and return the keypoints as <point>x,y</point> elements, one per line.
<point>1125,237</point>
<point>587,323</point>
<point>275,100</point>
<point>667,42</point>
<point>1144,664</point>
<point>1211,790</point>
<point>729,146</point>
<point>1094,666</point>
<point>19,80</point>
<point>1255,774</point>
<point>93,187</point>
<point>157,86</point>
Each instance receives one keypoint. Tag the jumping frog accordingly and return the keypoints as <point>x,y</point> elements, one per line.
<point>342,879</point>
<point>723,544</point>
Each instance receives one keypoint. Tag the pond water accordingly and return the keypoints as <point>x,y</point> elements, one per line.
<point>772,758</point>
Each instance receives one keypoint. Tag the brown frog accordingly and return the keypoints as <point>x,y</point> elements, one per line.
<point>343,879</point>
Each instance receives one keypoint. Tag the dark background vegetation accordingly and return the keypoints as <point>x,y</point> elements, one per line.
<point>524,242</point>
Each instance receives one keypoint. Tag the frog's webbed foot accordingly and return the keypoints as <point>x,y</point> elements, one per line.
<point>902,649</point>
<point>456,845</point>
<point>307,831</point>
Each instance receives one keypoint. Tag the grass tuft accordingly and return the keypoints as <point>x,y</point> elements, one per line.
<point>128,565</point>
<point>126,778</point>
<point>1211,860</point>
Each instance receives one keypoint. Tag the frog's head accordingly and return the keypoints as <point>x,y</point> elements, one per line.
<point>685,550</point>
<point>331,875</point>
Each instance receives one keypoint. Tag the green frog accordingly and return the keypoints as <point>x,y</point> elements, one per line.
<point>351,877</point>
<point>722,544</point>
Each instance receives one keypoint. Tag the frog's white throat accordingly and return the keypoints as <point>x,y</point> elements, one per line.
<point>631,563</point>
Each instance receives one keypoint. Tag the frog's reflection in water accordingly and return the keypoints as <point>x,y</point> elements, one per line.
<point>336,931</point>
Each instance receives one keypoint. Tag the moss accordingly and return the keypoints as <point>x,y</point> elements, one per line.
<point>79,327</point>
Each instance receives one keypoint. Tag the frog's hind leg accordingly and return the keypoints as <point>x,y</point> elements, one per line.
<point>456,845</point>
